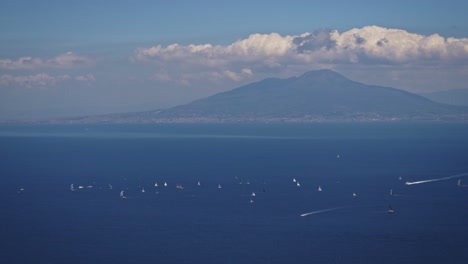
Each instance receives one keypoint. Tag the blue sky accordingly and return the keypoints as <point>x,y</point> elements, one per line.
<point>90,57</point>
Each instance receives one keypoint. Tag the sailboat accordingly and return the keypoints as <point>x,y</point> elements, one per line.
<point>198,183</point>
<point>156,184</point>
<point>390,209</point>
<point>253,194</point>
<point>165,184</point>
<point>391,192</point>
<point>294,179</point>
<point>354,194</point>
<point>298,184</point>
<point>122,195</point>
<point>219,186</point>
<point>142,189</point>
<point>319,189</point>
<point>459,183</point>
<point>72,187</point>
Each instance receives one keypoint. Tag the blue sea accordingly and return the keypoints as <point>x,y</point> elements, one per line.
<point>44,221</point>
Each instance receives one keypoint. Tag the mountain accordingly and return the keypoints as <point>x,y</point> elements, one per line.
<point>452,97</point>
<point>315,96</point>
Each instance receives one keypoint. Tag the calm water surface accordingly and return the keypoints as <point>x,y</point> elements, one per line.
<point>48,223</point>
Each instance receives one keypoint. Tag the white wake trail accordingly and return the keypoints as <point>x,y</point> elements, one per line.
<point>321,211</point>
<point>438,179</point>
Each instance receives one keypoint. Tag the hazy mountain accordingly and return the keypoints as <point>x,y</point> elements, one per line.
<point>452,97</point>
<point>322,94</point>
<point>315,96</point>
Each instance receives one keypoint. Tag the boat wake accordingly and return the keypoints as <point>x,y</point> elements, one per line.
<point>438,179</point>
<point>321,211</point>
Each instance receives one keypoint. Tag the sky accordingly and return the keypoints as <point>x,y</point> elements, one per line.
<point>73,58</point>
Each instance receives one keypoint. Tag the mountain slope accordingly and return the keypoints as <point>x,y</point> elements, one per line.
<point>452,97</point>
<point>322,93</point>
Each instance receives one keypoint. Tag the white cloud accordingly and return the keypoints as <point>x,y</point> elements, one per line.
<point>64,61</point>
<point>272,53</point>
<point>41,80</point>
<point>85,78</point>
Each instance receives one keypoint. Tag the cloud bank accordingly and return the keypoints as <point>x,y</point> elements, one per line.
<point>64,61</point>
<point>262,53</point>
<point>41,80</point>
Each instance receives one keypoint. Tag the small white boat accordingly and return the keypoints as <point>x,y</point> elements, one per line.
<point>294,180</point>
<point>390,210</point>
<point>142,190</point>
<point>338,156</point>
<point>219,186</point>
<point>122,195</point>
<point>354,194</point>
<point>198,183</point>
<point>319,189</point>
<point>156,184</point>
<point>165,184</point>
<point>253,194</point>
<point>400,178</point>
<point>251,201</point>
<point>72,187</point>
<point>80,187</point>
<point>298,184</point>
<point>459,183</point>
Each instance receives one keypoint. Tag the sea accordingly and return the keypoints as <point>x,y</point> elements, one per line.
<point>236,193</point>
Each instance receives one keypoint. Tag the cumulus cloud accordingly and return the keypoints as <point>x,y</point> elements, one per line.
<point>259,53</point>
<point>41,80</point>
<point>64,61</point>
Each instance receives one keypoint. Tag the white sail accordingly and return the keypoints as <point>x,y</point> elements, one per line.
<point>156,184</point>
<point>319,189</point>
<point>72,187</point>
<point>294,180</point>
<point>198,183</point>
<point>165,184</point>
<point>219,186</point>
<point>298,184</point>
<point>122,195</point>
<point>253,194</point>
<point>354,194</point>
<point>459,183</point>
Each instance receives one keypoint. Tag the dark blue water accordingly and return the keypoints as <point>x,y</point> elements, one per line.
<point>48,223</point>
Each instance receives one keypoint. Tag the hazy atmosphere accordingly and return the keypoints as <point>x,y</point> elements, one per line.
<point>266,132</point>
<point>66,58</point>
